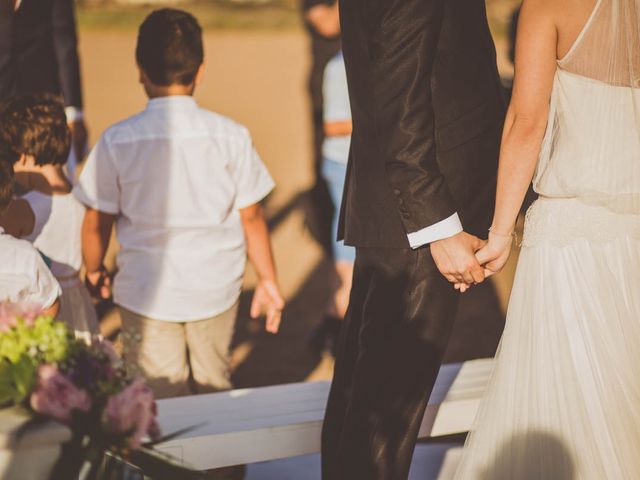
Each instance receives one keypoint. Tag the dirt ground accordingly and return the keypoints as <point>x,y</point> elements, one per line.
<point>259,79</point>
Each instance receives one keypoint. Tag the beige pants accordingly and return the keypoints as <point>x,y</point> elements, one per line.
<point>179,358</point>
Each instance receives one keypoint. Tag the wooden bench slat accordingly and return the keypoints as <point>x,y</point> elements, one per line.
<point>269,423</point>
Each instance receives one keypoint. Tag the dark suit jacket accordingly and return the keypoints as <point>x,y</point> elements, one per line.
<point>427,112</point>
<point>38,49</point>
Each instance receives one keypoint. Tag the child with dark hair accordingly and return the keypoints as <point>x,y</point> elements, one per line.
<point>31,135</point>
<point>183,186</point>
<point>33,129</point>
<point>24,277</point>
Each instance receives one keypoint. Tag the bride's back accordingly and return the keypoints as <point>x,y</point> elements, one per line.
<point>591,148</point>
<point>600,39</point>
<point>570,17</point>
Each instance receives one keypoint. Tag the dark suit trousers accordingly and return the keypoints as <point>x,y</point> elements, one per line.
<point>391,346</point>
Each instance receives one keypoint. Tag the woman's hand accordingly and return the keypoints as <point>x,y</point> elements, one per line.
<point>493,257</point>
<point>495,254</point>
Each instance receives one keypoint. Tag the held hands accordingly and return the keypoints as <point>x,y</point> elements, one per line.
<point>456,260</point>
<point>493,257</point>
<point>98,284</point>
<point>267,299</point>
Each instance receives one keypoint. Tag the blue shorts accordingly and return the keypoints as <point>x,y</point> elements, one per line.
<point>335,174</point>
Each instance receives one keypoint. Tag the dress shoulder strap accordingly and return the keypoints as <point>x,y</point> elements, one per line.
<point>608,48</point>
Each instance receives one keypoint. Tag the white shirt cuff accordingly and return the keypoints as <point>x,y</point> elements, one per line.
<point>443,229</point>
<point>74,114</point>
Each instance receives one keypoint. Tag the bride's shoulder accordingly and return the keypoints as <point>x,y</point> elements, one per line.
<point>567,16</point>
<point>535,11</point>
<point>558,11</point>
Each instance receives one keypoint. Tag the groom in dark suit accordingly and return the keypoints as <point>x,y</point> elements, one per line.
<point>38,54</point>
<point>427,112</point>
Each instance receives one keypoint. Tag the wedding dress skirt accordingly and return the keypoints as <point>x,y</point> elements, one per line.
<point>564,399</point>
<point>77,310</point>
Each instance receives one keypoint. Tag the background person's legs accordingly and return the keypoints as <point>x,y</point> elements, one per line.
<point>209,343</point>
<point>389,354</point>
<point>156,350</point>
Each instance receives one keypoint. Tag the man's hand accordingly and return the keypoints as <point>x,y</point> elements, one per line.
<point>456,260</point>
<point>79,137</point>
<point>267,299</point>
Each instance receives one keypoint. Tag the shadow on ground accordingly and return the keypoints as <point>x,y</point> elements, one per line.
<point>263,359</point>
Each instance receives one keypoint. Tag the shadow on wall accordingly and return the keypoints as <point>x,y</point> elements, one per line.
<point>535,455</point>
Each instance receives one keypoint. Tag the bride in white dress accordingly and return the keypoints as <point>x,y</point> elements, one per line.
<point>564,400</point>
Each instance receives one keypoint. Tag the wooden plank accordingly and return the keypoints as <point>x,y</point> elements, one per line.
<point>253,425</point>
<point>455,411</point>
<point>13,420</point>
<point>28,454</point>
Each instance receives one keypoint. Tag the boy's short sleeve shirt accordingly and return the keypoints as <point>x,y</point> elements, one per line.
<point>252,179</point>
<point>24,277</point>
<point>100,189</point>
<point>176,176</point>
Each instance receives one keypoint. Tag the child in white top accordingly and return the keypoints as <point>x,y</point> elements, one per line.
<point>24,277</point>
<point>182,186</point>
<point>34,128</point>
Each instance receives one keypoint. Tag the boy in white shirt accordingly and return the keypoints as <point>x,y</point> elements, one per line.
<point>24,277</point>
<point>183,187</point>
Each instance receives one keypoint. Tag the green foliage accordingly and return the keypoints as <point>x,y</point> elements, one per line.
<point>23,348</point>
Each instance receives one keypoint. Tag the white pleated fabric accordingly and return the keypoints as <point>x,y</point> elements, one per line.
<point>77,310</point>
<point>564,399</point>
<point>592,145</point>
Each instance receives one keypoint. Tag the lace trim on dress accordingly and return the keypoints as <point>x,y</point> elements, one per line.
<point>562,221</point>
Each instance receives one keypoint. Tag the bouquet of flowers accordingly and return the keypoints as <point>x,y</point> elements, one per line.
<point>44,368</point>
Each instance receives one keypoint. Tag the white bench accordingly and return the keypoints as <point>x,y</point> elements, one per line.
<point>269,423</point>
<point>28,455</point>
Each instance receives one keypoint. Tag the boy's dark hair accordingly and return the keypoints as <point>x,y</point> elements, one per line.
<point>6,183</point>
<point>35,124</point>
<point>170,47</point>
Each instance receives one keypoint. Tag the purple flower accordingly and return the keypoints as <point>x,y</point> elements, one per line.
<point>56,397</point>
<point>132,412</point>
<point>106,347</point>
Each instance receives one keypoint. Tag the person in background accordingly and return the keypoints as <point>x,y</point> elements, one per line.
<point>38,54</point>
<point>322,19</point>
<point>34,129</point>
<point>183,186</point>
<point>335,153</point>
<point>24,277</point>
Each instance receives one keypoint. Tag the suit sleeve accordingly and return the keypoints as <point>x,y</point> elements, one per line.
<point>404,49</point>
<point>66,47</point>
<point>6,35</point>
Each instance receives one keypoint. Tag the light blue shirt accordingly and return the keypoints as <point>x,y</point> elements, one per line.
<point>336,108</point>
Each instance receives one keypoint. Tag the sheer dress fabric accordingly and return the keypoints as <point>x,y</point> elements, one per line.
<point>564,399</point>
